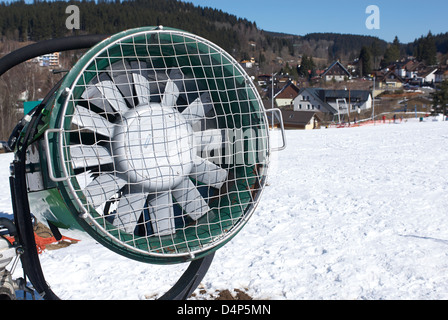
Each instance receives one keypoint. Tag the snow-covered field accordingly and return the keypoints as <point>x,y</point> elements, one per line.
<point>355,213</point>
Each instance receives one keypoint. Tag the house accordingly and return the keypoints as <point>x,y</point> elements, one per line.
<point>48,60</point>
<point>346,101</point>
<point>441,74</point>
<point>428,76</point>
<point>389,80</point>
<point>413,69</point>
<point>264,79</point>
<point>401,68</point>
<point>353,66</point>
<point>336,72</point>
<point>248,63</point>
<point>305,120</point>
<point>286,96</point>
<point>312,99</point>
<point>332,101</point>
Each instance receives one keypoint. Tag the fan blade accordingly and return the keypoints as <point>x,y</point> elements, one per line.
<point>190,199</point>
<point>110,91</point>
<point>102,188</point>
<point>142,89</point>
<point>176,74</point>
<point>118,68</point>
<point>208,173</point>
<point>120,75</point>
<point>130,208</point>
<point>198,108</point>
<point>94,96</point>
<point>210,139</point>
<point>171,94</point>
<point>84,156</point>
<point>92,121</point>
<point>161,213</point>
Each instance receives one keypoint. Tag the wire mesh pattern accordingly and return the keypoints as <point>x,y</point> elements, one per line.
<point>165,143</point>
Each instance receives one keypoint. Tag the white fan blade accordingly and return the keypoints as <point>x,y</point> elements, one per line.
<point>83,156</point>
<point>171,94</point>
<point>113,95</point>
<point>209,139</point>
<point>102,188</point>
<point>208,173</point>
<point>94,96</point>
<point>130,208</point>
<point>162,214</point>
<point>92,121</point>
<point>142,89</point>
<point>190,199</point>
<point>198,108</point>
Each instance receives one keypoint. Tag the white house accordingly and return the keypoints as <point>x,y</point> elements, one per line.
<point>428,76</point>
<point>312,99</point>
<point>332,101</point>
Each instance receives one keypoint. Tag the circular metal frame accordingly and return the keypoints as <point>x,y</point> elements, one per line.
<point>60,123</point>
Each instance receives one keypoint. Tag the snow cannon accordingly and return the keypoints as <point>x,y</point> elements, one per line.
<point>155,143</point>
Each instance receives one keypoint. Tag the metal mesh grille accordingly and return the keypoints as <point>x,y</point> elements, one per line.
<point>165,143</point>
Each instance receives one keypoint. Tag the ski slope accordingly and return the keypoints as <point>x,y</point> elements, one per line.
<point>353,213</point>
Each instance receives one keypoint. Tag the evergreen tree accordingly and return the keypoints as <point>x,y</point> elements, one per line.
<point>377,51</point>
<point>426,49</point>
<point>440,97</point>
<point>365,61</point>
<point>392,53</point>
<point>306,67</point>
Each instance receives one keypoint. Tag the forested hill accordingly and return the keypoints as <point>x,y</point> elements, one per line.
<point>46,19</point>
<point>20,21</point>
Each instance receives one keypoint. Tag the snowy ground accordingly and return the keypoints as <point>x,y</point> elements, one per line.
<point>355,213</point>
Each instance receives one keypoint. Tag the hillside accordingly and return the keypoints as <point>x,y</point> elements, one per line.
<point>22,23</point>
<point>40,20</point>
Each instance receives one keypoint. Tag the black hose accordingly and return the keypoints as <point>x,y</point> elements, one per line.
<point>22,215</point>
<point>48,46</point>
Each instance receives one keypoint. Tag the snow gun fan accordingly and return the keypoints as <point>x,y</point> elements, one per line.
<point>155,143</point>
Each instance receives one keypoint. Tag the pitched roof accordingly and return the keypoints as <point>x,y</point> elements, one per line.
<point>289,91</point>
<point>336,68</point>
<point>361,95</point>
<point>427,72</point>
<point>389,76</point>
<point>298,118</point>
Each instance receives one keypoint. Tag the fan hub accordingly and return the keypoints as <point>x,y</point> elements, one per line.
<point>153,146</point>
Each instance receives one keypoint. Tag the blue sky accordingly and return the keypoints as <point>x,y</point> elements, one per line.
<point>407,19</point>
